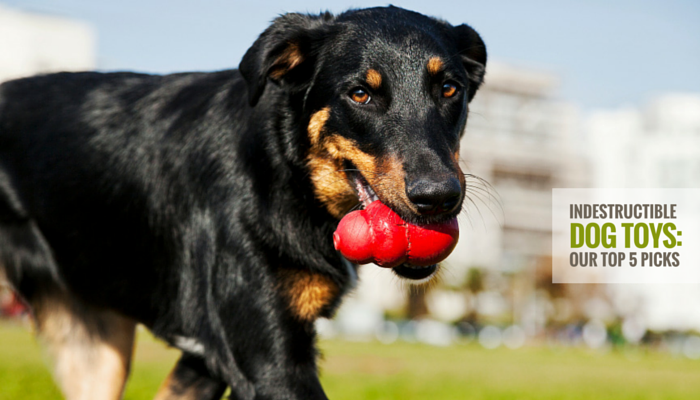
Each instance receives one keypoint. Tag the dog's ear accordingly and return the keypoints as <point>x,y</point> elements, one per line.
<point>473,52</point>
<point>285,53</point>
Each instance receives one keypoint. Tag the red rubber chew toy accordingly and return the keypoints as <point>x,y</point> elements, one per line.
<point>378,235</point>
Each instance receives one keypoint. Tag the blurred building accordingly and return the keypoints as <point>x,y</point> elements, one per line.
<point>34,43</point>
<point>655,147</point>
<point>522,141</point>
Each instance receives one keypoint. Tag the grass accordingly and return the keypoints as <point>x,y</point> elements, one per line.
<point>406,371</point>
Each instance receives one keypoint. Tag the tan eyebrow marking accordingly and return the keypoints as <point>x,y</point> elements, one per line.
<point>435,65</point>
<point>374,79</point>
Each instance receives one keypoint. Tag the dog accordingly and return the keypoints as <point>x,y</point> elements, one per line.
<point>203,205</point>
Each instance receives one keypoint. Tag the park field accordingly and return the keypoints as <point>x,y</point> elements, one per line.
<point>406,371</point>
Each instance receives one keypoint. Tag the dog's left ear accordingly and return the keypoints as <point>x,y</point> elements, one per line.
<point>473,52</point>
<point>285,53</point>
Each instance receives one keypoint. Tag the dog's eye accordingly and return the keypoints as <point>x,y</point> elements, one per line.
<point>449,90</point>
<point>360,96</point>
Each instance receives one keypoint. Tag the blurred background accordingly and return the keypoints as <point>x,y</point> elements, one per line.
<point>577,94</point>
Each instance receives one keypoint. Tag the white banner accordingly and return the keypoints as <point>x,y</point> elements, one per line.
<point>626,236</point>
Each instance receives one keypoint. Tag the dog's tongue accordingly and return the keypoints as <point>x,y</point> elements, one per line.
<point>378,235</point>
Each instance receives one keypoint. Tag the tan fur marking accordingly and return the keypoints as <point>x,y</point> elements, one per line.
<point>167,392</point>
<point>391,178</point>
<point>308,293</point>
<point>460,174</point>
<point>316,123</point>
<point>435,65</point>
<point>90,362</point>
<point>172,389</point>
<point>374,79</point>
<point>290,58</point>
<point>331,186</point>
<point>344,148</point>
<point>325,161</point>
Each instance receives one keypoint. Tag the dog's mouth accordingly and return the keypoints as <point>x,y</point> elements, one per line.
<point>363,190</point>
<point>423,249</point>
<point>415,273</point>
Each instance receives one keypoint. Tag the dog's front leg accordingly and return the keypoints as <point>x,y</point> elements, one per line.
<point>268,343</point>
<point>191,379</point>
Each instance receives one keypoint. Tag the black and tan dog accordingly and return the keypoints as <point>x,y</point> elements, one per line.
<point>202,205</point>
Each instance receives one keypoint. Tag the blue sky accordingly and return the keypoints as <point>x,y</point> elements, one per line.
<point>608,53</point>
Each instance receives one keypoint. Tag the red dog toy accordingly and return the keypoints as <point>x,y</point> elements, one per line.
<point>378,235</point>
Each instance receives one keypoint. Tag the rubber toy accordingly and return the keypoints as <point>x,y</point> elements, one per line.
<point>378,235</point>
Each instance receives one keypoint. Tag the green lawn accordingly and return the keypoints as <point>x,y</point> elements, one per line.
<point>406,371</point>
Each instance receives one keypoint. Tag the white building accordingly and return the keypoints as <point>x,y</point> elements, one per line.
<point>33,43</point>
<point>654,147</point>
<point>522,141</point>
<point>657,147</point>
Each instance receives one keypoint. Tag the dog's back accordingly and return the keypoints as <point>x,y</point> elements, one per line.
<point>203,205</point>
<point>91,165</point>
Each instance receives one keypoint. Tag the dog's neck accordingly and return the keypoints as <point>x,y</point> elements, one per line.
<point>299,227</point>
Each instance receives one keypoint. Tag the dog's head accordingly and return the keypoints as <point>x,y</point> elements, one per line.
<point>383,95</point>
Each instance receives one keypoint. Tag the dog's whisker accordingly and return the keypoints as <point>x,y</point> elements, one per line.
<point>477,209</point>
<point>499,220</point>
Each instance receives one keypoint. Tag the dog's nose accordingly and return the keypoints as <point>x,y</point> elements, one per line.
<point>434,197</point>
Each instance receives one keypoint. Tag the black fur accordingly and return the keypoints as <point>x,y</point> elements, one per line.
<point>176,200</point>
